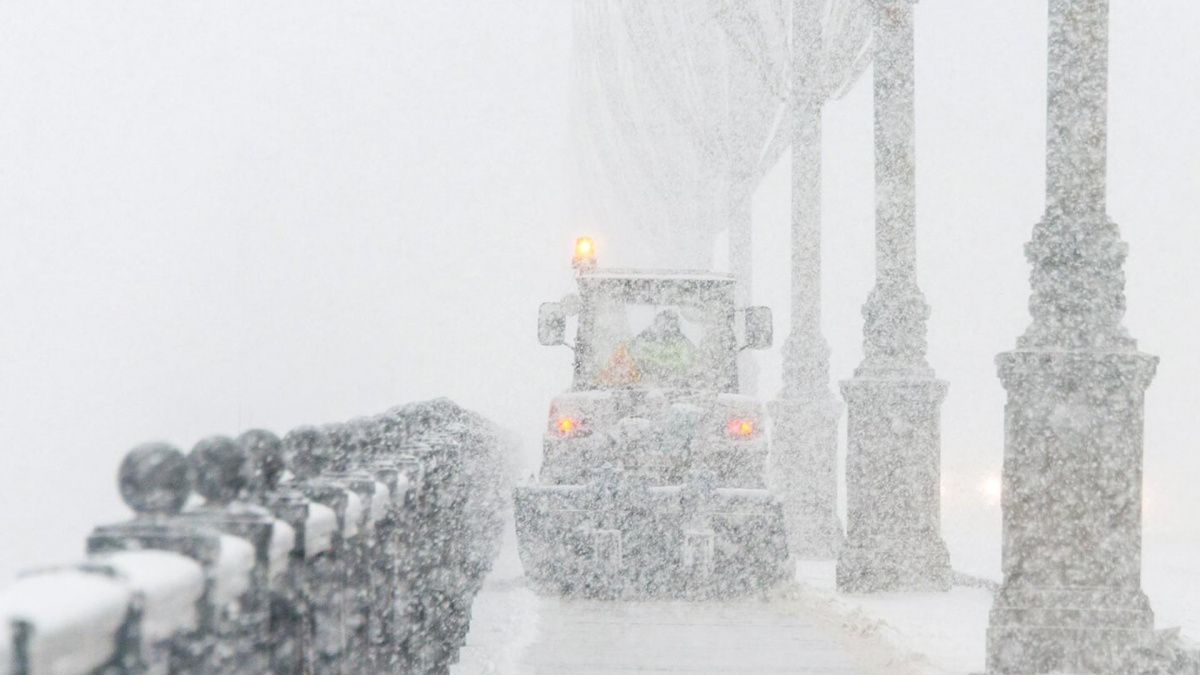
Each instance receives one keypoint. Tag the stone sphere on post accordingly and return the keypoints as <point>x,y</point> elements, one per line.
<point>264,453</point>
<point>155,479</point>
<point>304,452</point>
<point>220,469</point>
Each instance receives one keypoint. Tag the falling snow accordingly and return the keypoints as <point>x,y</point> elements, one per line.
<point>671,488</point>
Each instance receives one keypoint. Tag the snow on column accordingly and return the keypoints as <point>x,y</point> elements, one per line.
<point>805,418</point>
<point>894,401</point>
<point>1071,598</point>
<point>741,264</point>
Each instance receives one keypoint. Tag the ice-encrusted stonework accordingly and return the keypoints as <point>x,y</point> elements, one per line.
<point>830,49</point>
<point>1072,600</point>
<point>893,456</point>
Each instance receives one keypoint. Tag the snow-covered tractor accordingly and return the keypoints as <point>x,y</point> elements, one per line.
<point>653,475</point>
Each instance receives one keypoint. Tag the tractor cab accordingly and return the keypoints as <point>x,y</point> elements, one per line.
<point>649,329</point>
<point>654,465</point>
<point>657,350</point>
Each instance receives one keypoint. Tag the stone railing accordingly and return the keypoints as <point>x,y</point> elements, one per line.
<point>350,548</point>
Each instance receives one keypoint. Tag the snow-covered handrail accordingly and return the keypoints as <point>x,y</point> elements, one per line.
<point>351,548</point>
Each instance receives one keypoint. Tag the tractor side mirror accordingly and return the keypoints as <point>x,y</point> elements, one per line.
<point>759,331</point>
<point>552,324</point>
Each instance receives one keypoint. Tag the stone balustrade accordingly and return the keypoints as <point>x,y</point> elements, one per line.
<point>349,548</point>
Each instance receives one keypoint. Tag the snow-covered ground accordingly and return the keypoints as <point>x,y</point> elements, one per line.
<point>947,631</point>
<point>1169,578</point>
<point>808,628</point>
<point>516,632</point>
<point>801,630</point>
<point>944,632</point>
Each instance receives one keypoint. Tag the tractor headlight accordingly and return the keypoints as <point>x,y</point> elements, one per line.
<point>565,425</point>
<point>568,424</point>
<point>740,427</point>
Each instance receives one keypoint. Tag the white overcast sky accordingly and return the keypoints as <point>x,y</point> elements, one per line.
<point>223,214</point>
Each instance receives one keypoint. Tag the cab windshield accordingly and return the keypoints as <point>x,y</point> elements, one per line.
<point>656,336</point>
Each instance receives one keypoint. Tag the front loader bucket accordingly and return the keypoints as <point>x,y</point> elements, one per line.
<point>617,540</point>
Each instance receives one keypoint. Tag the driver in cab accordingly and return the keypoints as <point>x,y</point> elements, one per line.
<point>662,352</point>
<point>661,355</point>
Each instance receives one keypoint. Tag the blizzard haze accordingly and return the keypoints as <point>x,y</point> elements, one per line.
<point>221,215</point>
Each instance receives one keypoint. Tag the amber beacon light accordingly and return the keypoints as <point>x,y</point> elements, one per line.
<point>585,253</point>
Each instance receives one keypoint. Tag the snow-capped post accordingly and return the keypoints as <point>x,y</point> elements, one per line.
<point>346,449</point>
<point>1071,598</point>
<point>805,417</point>
<point>219,466</point>
<point>305,450</point>
<point>388,545</point>
<point>155,481</point>
<point>894,401</point>
<point>290,641</point>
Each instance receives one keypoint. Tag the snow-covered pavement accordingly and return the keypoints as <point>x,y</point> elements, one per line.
<point>516,632</point>
<point>597,638</point>
<point>808,628</point>
<point>942,633</point>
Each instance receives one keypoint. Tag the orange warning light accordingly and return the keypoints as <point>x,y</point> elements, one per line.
<point>585,254</point>
<point>740,426</point>
<point>565,425</point>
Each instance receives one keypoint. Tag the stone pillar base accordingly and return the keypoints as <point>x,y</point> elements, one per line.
<point>1077,630</point>
<point>1071,599</point>
<point>913,561</point>
<point>893,486</point>
<point>804,473</point>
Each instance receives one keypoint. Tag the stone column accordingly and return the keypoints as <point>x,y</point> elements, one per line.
<point>894,448</point>
<point>805,417</point>
<point>741,264</point>
<point>1071,598</point>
